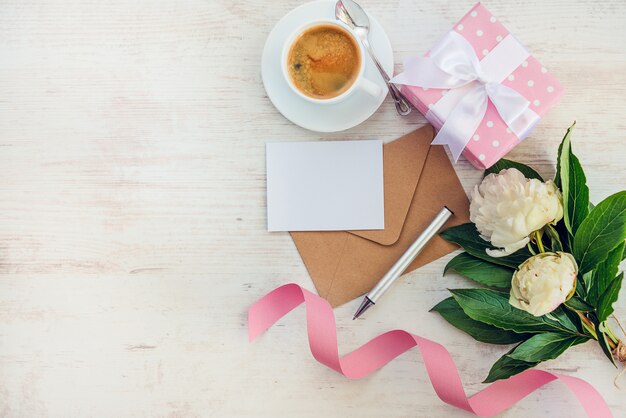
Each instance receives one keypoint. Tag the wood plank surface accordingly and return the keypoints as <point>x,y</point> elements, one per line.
<point>132,210</point>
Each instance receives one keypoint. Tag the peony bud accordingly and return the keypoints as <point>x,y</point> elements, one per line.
<point>507,207</point>
<point>543,282</point>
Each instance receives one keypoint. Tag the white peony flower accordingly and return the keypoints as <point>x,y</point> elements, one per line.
<point>507,207</point>
<point>543,282</point>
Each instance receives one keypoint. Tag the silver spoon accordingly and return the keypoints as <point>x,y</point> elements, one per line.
<point>355,17</point>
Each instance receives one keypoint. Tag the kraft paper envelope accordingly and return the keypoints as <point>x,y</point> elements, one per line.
<point>419,180</point>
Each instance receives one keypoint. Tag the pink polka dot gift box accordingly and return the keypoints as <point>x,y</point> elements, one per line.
<point>480,88</point>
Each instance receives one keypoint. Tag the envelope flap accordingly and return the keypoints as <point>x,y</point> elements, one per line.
<point>403,161</point>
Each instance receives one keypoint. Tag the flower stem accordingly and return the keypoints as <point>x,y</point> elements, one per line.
<point>539,243</point>
<point>587,324</point>
<point>611,335</point>
<point>614,341</point>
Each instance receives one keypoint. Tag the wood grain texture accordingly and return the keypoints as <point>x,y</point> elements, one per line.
<point>132,210</point>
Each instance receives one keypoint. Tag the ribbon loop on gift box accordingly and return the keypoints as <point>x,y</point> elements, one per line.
<point>452,64</point>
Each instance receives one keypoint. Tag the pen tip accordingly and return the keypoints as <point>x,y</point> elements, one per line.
<point>364,306</point>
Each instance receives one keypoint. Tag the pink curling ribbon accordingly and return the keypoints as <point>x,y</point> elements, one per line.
<point>379,351</point>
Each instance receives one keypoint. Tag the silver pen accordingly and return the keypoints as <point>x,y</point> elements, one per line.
<point>401,265</point>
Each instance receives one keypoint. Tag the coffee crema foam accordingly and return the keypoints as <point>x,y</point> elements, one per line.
<point>324,61</point>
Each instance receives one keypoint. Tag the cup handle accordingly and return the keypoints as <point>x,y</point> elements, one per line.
<point>369,87</point>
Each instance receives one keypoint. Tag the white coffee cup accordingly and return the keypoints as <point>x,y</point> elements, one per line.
<point>360,82</point>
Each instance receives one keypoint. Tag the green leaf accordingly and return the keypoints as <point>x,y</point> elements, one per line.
<point>450,310</point>
<point>573,185</point>
<point>584,280</point>
<point>604,274</point>
<point>492,307</point>
<point>504,164</point>
<point>557,176</point>
<point>481,271</point>
<point>467,237</point>
<point>573,316</point>
<point>603,340</point>
<point>577,201</point>
<point>605,304</point>
<point>600,232</point>
<point>506,367</point>
<point>560,315</point>
<point>555,240</point>
<point>545,346</point>
<point>578,304</point>
<point>564,235</point>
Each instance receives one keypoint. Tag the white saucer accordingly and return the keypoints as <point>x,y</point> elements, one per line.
<point>322,118</point>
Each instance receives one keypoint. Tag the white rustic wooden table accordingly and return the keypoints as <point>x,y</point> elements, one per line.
<point>132,210</point>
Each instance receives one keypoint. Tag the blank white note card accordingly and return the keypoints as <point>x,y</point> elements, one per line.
<point>325,186</point>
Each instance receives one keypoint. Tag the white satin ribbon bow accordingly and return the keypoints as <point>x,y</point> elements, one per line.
<point>452,64</point>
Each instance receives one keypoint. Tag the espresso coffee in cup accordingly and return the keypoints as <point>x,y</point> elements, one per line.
<point>324,61</point>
